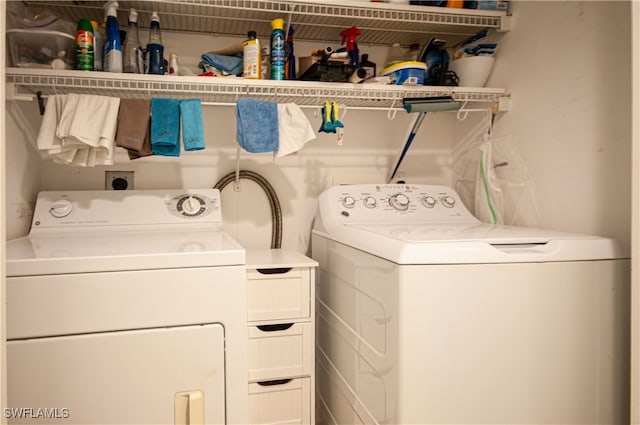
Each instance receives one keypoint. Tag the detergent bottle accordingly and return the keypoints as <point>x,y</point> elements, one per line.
<point>155,48</point>
<point>277,49</point>
<point>112,61</point>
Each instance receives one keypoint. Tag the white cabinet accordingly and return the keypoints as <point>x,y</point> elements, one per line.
<point>280,309</point>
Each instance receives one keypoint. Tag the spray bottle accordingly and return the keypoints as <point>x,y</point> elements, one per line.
<point>132,50</point>
<point>112,61</point>
<point>98,45</point>
<point>84,45</point>
<point>277,49</point>
<point>155,48</point>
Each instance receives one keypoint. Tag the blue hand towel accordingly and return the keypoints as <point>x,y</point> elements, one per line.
<point>257,125</point>
<point>229,64</point>
<point>192,130</point>
<point>165,127</point>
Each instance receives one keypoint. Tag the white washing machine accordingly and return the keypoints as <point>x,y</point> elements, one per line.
<point>126,307</point>
<point>428,316</point>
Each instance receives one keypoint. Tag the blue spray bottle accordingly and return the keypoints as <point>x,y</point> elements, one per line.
<point>112,61</point>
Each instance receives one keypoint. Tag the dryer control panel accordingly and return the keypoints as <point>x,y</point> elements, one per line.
<point>131,208</point>
<point>386,202</point>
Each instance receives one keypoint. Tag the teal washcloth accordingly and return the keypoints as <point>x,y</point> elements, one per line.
<point>257,125</point>
<point>192,128</point>
<point>165,127</point>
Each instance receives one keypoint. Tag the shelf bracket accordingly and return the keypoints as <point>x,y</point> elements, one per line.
<point>506,23</point>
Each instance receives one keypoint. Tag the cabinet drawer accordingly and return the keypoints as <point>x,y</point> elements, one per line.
<point>280,351</point>
<point>280,402</point>
<point>278,296</point>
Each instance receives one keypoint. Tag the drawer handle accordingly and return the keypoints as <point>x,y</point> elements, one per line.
<point>274,382</point>
<point>279,270</point>
<point>274,328</point>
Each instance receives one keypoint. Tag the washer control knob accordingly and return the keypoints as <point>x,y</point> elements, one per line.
<point>429,201</point>
<point>349,201</point>
<point>370,202</point>
<point>61,208</point>
<point>448,201</point>
<point>399,201</point>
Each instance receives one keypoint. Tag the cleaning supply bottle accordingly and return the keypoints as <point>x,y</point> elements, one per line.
<point>174,68</point>
<point>277,49</point>
<point>251,57</point>
<point>155,48</point>
<point>112,60</point>
<point>84,45</point>
<point>98,44</point>
<point>132,48</point>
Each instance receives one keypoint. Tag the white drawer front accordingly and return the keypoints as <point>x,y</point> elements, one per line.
<point>280,353</point>
<point>281,296</point>
<point>288,402</point>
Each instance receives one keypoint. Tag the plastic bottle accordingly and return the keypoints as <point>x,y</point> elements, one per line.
<point>112,61</point>
<point>131,49</point>
<point>265,69</point>
<point>251,57</point>
<point>155,48</point>
<point>98,45</point>
<point>277,49</point>
<point>84,45</point>
<point>174,68</point>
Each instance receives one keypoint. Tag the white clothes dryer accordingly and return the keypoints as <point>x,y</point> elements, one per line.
<point>126,307</point>
<point>428,316</point>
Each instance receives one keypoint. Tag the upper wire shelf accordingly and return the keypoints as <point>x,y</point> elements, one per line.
<point>226,90</point>
<point>380,23</point>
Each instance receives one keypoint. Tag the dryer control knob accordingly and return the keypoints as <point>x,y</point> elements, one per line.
<point>349,201</point>
<point>448,201</point>
<point>429,201</point>
<point>190,206</point>
<point>61,208</point>
<point>399,201</point>
<point>370,202</point>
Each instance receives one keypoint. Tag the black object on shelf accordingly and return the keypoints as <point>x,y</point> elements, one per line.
<point>328,72</point>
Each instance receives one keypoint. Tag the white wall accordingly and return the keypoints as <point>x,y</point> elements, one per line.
<point>567,66</point>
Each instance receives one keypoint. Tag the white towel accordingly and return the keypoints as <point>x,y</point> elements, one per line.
<point>87,128</point>
<point>294,128</point>
<point>47,138</point>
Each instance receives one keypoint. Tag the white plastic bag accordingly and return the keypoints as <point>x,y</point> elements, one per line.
<point>492,179</point>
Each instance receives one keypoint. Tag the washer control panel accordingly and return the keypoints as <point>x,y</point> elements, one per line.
<point>380,203</point>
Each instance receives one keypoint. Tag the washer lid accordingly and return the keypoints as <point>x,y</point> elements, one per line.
<point>427,224</point>
<point>102,251</point>
<point>472,244</point>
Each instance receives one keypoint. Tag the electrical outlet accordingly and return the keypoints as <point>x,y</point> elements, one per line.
<point>118,180</point>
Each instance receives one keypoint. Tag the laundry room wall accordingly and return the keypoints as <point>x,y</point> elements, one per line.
<point>564,121</point>
<point>568,67</point>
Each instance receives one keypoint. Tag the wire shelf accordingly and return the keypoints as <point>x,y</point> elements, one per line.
<point>30,82</point>
<point>380,23</point>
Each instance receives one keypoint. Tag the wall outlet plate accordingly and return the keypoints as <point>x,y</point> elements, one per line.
<point>118,180</point>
